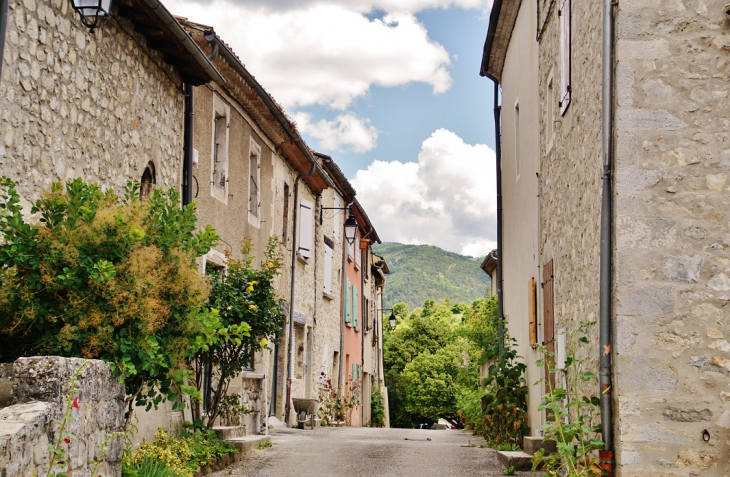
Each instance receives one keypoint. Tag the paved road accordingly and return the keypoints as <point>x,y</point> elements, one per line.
<point>355,452</point>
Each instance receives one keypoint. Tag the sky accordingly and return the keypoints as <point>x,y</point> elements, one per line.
<point>391,90</point>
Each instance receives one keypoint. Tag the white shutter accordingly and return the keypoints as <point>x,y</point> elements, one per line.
<point>306,222</point>
<point>328,255</point>
<point>358,253</point>
<point>337,218</point>
<point>565,88</point>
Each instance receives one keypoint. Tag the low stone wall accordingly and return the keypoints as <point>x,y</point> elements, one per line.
<point>39,389</point>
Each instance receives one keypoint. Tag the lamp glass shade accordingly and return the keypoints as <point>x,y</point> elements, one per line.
<point>393,321</point>
<point>350,229</point>
<point>92,11</point>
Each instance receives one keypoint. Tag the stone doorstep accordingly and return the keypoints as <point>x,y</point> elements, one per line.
<point>517,459</point>
<point>249,443</point>
<point>534,444</point>
<point>230,432</point>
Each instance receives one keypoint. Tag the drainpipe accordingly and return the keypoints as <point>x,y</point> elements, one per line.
<point>498,154</point>
<point>606,455</point>
<point>342,301</point>
<point>290,367</point>
<point>3,28</point>
<point>187,172</point>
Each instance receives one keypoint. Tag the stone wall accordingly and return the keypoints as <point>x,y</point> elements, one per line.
<point>40,387</point>
<point>73,104</point>
<point>672,286</point>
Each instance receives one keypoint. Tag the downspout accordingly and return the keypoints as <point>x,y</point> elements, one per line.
<point>606,455</point>
<point>498,154</point>
<point>363,323</point>
<point>3,29</point>
<point>342,302</point>
<point>290,357</point>
<point>187,170</point>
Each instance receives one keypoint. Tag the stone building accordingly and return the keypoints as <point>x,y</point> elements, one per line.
<point>106,106</point>
<point>666,151</point>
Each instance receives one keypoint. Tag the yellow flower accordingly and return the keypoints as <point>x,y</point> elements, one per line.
<point>263,342</point>
<point>249,288</point>
<point>229,308</point>
<point>252,307</point>
<point>254,283</point>
<point>271,264</point>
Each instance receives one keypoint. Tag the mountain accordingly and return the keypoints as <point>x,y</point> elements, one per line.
<point>420,272</point>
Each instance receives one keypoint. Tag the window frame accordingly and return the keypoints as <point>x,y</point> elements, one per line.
<point>254,213</point>
<point>221,111</point>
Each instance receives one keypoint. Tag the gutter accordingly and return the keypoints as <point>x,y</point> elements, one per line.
<point>290,357</point>
<point>500,245</point>
<point>187,169</point>
<point>345,245</point>
<point>182,36</point>
<point>235,63</point>
<point>605,338</point>
<point>3,29</point>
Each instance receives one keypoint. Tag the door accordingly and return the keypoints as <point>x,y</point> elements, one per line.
<point>548,323</point>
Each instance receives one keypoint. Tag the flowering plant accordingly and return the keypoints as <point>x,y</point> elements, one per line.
<point>352,397</point>
<point>330,408</point>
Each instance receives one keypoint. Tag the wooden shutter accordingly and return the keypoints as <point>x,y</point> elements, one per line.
<point>548,324</point>
<point>565,37</point>
<point>533,311</point>
<point>348,308</point>
<point>358,256</point>
<point>328,255</point>
<point>306,221</point>
<point>355,306</point>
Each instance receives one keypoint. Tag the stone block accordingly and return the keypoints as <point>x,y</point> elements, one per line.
<point>519,460</point>
<point>249,443</point>
<point>230,432</point>
<point>534,444</point>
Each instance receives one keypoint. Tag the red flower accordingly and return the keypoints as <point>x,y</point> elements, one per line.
<point>67,440</point>
<point>334,395</point>
<point>76,403</point>
<point>61,462</point>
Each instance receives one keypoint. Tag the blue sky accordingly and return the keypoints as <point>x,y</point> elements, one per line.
<point>390,89</point>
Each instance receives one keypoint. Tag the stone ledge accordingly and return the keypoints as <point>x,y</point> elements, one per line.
<point>517,459</point>
<point>534,444</point>
<point>230,432</point>
<point>249,443</point>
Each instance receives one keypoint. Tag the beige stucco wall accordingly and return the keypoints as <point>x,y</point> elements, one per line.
<point>519,192</point>
<point>671,268</point>
<point>72,104</point>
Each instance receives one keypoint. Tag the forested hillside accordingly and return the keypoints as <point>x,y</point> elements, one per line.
<point>422,272</point>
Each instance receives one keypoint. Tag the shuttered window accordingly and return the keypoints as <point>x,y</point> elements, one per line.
<point>548,319</point>
<point>358,254</point>
<point>348,300</point>
<point>328,256</point>
<point>306,222</point>
<point>565,89</point>
<point>355,306</point>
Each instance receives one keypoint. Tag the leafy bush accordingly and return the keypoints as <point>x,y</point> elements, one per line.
<point>504,404</point>
<point>182,453</point>
<point>100,277</point>
<point>377,408</point>
<point>148,468</point>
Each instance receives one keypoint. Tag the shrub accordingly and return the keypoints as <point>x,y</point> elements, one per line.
<point>96,276</point>
<point>377,408</point>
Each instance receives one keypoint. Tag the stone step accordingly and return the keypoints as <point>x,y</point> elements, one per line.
<point>249,443</point>
<point>534,444</point>
<point>230,432</point>
<point>517,459</point>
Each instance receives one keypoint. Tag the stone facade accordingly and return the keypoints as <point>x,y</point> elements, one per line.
<point>72,104</point>
<point>671,228</point>
<point>40,387</point>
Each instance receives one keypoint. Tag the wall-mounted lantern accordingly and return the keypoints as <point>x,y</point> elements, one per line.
<point>92,12</point>
<point>392,319</point>
<point>350,229</point>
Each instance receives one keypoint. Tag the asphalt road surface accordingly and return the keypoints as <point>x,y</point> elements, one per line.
<point>354,451</point>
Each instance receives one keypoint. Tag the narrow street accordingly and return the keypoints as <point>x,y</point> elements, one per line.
<point>357,451</point>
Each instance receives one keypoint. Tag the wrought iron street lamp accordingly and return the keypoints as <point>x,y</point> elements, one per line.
<point>392,319</point>
<point>350,229</point>
<point>92,12</point>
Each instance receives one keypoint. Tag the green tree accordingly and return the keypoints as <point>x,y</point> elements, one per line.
<point>100,277</point>
<point>246,302</point>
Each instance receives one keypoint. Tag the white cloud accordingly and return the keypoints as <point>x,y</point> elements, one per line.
<point>347,131</point>
<point>447,199</point>
<point>327,54</point>
<point>411,6</point>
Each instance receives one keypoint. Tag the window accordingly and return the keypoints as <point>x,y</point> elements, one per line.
<point>250,365</point>
<point>219,153</point>
<point>565,51</point>
<point>348,301</point>
<point>306,222</point>
<point>254,168</point>
<point>355,306</point>
<point>549,114</point>
<point>517,139</point>
<point>328,258</point>
<point>358,254</point>
<point>285,231</point>
<point>149,179</point>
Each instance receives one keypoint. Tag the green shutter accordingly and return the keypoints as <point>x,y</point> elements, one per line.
<point>347,300</point>
<point>354,306</point>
